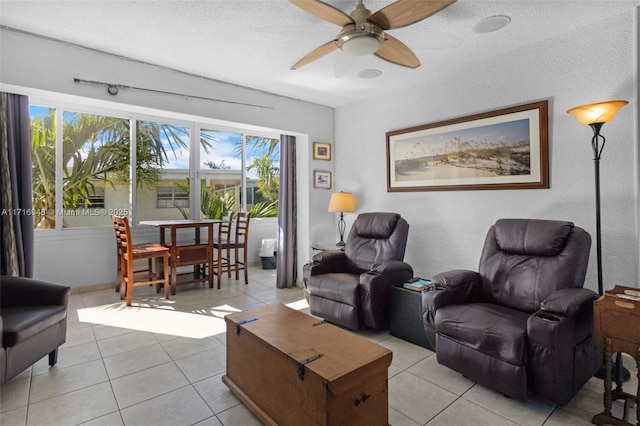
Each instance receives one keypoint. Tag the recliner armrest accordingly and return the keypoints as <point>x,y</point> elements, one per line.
<point>327,256</point>
<point>390,266</point>
<point>20,291</point>
<point>449,288</point>
<point>568,301</point>
<point>325,262</point>
<point>456,278</point>
<point>375,288</point>
<point>561,317</point>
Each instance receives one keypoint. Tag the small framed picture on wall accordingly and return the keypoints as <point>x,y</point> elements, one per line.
<point>322,151</point>
<point>322,179</point>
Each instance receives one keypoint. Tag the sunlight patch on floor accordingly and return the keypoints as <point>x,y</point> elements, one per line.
<point>183,324</point>
<point>164,318</point>
<point>298,305</point>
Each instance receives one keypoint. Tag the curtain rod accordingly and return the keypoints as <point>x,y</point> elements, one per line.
<point>113,88</point>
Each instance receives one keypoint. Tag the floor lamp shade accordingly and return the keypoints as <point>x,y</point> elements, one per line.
<point>599,112</point>
<point>342,202</point>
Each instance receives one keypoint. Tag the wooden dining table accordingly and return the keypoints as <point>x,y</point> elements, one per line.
<point>197,253</point>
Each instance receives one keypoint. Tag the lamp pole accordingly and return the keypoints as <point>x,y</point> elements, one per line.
<point>620,374</point>
<point>597,153</point>
<point>342,226</point>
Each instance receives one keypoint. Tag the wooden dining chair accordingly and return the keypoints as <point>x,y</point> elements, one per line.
<point>130,253</point>
<point>229,241</point>
<point>120,286</point>
<point>221,246</point>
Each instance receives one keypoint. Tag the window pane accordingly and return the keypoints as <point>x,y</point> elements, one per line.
<point>168,197</point>
<point>263,175</point>
<point>162,171</point>
<point>43,165</point>
<point>95,168</point>
<point>220,172</point>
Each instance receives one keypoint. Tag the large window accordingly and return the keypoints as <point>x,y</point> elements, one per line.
<point>89,171</point>
<point>95,162</point>
<point>263,174</point>
<point>239,172</point>
<point>93,167</point>
<point>43,168</point>
<point>220,173</point>
<point>162,172</point>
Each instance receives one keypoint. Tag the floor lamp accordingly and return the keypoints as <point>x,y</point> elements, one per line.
<point>595,115</point>
<point>342,202</point>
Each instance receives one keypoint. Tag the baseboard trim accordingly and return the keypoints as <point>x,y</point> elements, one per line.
<point>93,287</point>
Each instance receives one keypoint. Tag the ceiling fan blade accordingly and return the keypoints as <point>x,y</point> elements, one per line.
<point>395,51</point>
<point>407,12</point>
<point>316,54</point>
<point>324,11</point>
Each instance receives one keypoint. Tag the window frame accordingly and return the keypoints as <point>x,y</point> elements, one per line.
<point>66,103</point>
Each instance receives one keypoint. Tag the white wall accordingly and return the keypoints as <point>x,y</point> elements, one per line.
<point>447,229</point>
<point>48,68</point>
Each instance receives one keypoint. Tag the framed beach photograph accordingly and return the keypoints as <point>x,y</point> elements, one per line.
<point>322,179</point>
<point>322,151</point>
<point>500,149</point>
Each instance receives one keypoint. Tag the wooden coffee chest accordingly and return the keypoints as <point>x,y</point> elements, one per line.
<point>290,368</point>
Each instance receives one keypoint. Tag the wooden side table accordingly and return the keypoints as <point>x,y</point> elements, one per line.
<point>617,325</point>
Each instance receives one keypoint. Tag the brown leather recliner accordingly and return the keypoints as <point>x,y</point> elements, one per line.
<point>351,288</point>
<point>523,322</point>
<point>33,323</point>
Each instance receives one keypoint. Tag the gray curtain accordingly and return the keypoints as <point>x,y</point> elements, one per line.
<point>286,272</point>
<point>16,218</point>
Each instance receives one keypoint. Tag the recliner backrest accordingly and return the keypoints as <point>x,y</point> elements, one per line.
<point>525,260</point>
<point>375,237</point>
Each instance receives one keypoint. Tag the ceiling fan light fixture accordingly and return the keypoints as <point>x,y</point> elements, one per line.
<point>361,46</point>
<point>361,39</point>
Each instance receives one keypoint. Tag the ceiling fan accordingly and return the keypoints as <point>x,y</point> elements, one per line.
<point>363,33</point>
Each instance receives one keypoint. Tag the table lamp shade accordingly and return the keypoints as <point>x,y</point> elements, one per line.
<point>342,202</point>
<point>599,112</point>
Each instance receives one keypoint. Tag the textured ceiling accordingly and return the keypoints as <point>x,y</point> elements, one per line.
<point>254,42</point>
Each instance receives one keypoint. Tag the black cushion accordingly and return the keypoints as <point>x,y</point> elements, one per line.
<point>341,287</point>
<point>532,237</point>
<point>374,238</point>
<point>23,322</point>
<point>493,330</point>
<point>520,280</point>
<point>375,225</point>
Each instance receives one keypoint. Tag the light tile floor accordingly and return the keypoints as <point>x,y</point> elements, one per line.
<point>160,363</point>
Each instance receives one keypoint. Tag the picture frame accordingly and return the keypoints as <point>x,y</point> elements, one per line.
<point>322,179</point>
<point>322,151</point>
<point>506,148</point>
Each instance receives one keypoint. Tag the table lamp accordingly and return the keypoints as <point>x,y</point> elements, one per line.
<point>342,202</point>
